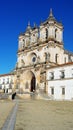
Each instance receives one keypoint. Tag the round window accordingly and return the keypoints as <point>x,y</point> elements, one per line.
<point>34,59</point>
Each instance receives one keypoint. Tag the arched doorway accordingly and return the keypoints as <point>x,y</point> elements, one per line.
<point>33,84</point>
<point>29,81</point>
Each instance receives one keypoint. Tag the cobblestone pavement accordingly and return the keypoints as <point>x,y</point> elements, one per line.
<point>44,115</point>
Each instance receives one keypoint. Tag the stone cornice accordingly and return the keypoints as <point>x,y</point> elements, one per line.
<point>35,66</point>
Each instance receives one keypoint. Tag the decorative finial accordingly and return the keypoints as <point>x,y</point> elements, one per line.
<point>34,25</point>
<point>28,26</point>
<point>28,23</point>
<point>51,14</point>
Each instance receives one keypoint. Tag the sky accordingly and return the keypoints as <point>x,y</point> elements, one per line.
<point>14,18</point>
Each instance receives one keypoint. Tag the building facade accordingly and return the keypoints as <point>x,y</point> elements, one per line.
<point>39,49</point>
<point>60,82</point>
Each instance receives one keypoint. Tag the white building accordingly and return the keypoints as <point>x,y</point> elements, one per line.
<point>6,83</point>
<point>60,82</point>
<point>39,50</point>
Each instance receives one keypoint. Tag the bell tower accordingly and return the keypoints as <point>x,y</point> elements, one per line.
<point>51,29</point>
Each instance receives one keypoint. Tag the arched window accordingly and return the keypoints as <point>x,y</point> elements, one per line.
<point>29,37</point>
<point>46,33</point>
<point>48,56</point>
<point>56,58</point>
<point>45,56</point>
<point>55,33</point>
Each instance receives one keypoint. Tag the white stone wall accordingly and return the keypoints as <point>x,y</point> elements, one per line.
<point>58,83</point>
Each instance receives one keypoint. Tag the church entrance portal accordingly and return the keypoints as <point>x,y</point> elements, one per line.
<point>30,81</point>
<point>33,83</point>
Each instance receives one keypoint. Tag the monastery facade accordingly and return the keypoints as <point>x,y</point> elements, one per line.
<point>43,65</point>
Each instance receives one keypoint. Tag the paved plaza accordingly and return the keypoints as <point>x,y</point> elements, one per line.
<point>32,114</point>
<point>5,110</point>
<point>44,115</point>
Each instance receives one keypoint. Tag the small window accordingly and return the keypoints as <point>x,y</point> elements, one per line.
<point>3,81</point>
<point>55,33</point>
<point>23,40</point>
<point>45,56</point>
<point>7,80</point>
<point>62,76</point>
<point>52,91</point>
<point>33,59</point>
<point>63,91</point>
<point>56,58</point>
<point>23,45</point>
<point>38,33</point>
<point>51,76</point>
<point>46,33</point>
<point>33,34</point>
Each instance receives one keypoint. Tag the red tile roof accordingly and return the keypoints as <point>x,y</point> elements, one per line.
<point>2,75</point>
